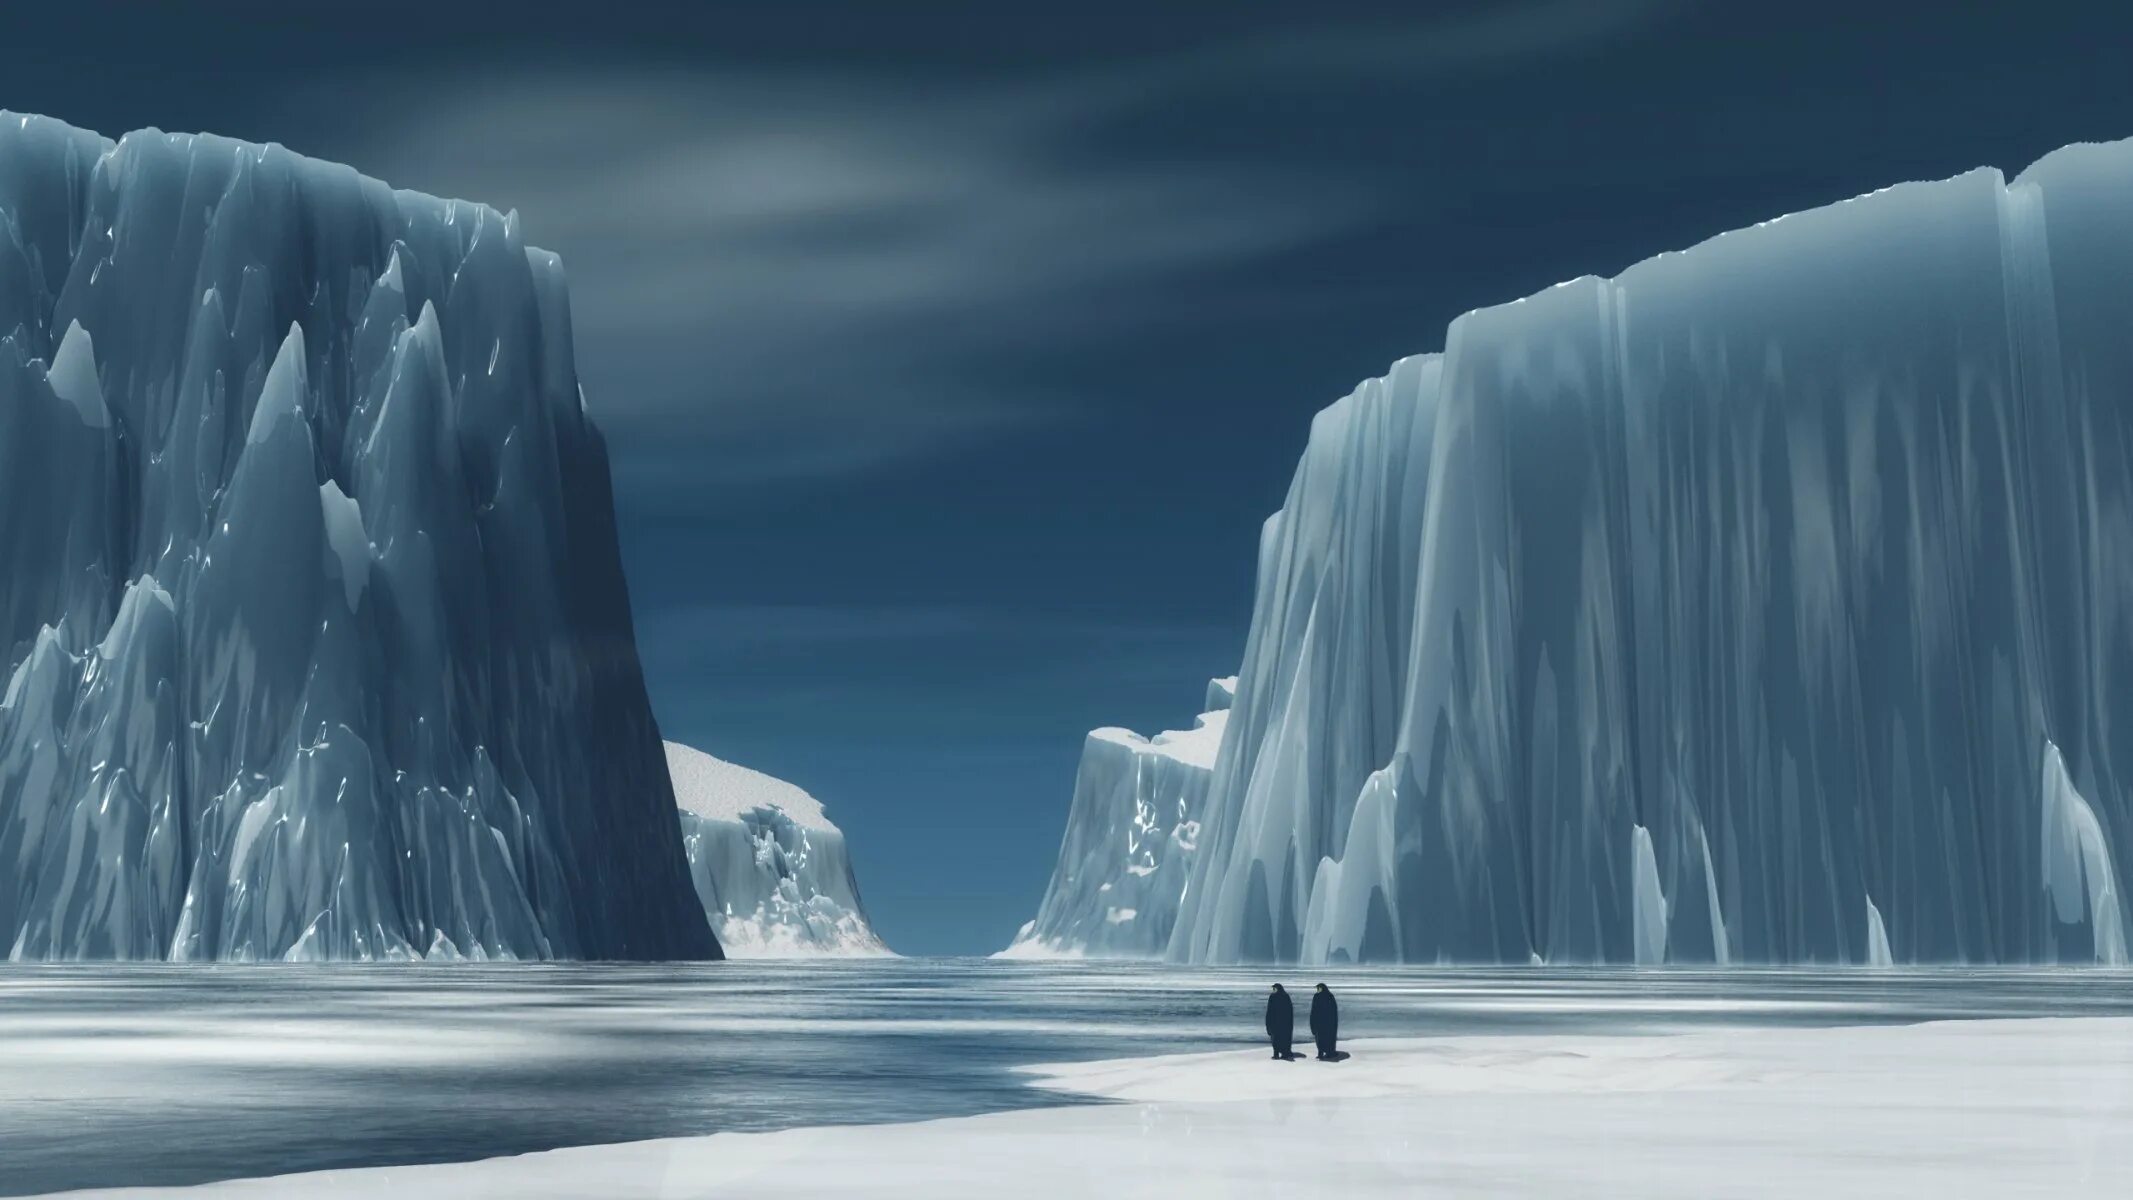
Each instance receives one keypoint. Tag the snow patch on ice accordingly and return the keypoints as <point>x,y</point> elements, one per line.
<point>1194,747</point>
<point>712,787</point>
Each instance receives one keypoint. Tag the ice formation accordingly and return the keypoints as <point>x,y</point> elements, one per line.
<point>314,629</point>
<point>772,872</point>
<point>1731,609</point>
<point>1130,837</point>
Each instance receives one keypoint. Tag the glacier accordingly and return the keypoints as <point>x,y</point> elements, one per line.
<point>773,873</point>
<point>1771,601</point>
<point>316,641</point>
<point>1132,829</point>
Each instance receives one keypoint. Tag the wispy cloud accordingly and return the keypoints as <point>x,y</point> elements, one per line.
<point>793,275</point>
<point>799,275</point>
<point>1476,38</point>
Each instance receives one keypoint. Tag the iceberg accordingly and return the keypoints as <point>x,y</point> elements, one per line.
<point>1728,610</point>
<point>771,870</point>
<point>1131,833</point>
<point>314,641</point>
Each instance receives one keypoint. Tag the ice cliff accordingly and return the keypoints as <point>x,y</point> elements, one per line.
<point>1131,833</point>
<point>313,632</point>
<point>1769,602</point>
<point>772,871</point>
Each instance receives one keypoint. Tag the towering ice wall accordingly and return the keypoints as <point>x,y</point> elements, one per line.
<point>313,634</point>
<point>1130,838</point>
<point>1772,601</point>
<point>771,870</point>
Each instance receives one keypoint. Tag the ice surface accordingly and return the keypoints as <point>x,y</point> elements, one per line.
<point>774,875</point>
<point>723,791</point>
<point>72,377</point>
<point>1131,833</point>
<point>1951,1109</point>
<point>1727,610</point>
<point>313,634</point>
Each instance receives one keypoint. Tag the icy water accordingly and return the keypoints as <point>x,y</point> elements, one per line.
<point>113,1075</point>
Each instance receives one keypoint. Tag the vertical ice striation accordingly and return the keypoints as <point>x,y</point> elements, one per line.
<point>1647,899</point>
<point>771,870</point>
<point>1316,706</point>
<point>1131,834</point>
<point>313,632</point>
<point>1727,610</point>
<point>1877,939</point>
<point>2079,880</point>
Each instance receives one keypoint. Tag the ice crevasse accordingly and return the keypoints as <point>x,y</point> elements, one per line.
<point>1769,602</point>
<point>313,634</point>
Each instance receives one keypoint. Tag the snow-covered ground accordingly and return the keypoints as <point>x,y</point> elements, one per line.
<point>2039,1107</point>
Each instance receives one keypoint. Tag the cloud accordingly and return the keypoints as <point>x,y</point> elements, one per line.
<point>1479,38</point>
<point>787,276</point>
<point>793,275</point>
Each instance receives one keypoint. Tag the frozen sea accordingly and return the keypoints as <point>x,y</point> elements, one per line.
<point>137,1074</point>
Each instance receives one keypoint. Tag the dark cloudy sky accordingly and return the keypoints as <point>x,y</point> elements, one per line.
<point>951,353</point>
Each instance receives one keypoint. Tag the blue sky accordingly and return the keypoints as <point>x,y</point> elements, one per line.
<point>952,353</point>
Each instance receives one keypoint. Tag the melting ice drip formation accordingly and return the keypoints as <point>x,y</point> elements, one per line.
<point>1130,838</point>
<point>772,871</point>
<point>315,633</point>
<point>1770,602</point>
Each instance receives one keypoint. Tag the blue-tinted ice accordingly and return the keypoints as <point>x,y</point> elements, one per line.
<point>1772,601</point>
<point>315,636</point>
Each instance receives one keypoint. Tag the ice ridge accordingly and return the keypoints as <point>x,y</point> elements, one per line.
<point>1764,603</point>
<point>313,631</point>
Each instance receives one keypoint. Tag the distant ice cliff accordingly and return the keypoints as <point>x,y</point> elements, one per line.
<point>773,873</point>
<point>1130,837</point>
